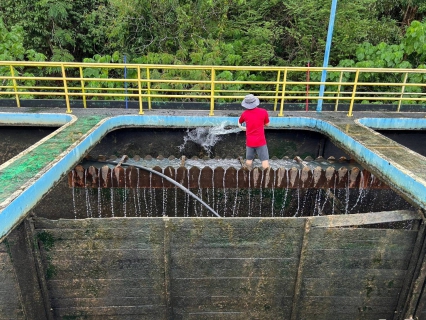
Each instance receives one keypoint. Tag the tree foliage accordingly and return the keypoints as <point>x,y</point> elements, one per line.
<point>12,49</point>
<point>410,52</point>
<point>217,32</point>
<point>62,30</point>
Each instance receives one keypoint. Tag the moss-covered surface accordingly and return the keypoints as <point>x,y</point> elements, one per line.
<point>47,242</point>
<point>145,266</point>
<point>26,167</point>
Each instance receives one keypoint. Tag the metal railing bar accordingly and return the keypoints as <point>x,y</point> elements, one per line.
<point>82,87</point>
<point>285,97</point>
<point>212,94</point>
<point>312,83</point>
<point>207,67</point>
<point>88,89</point>
<point>402,92</point>
<point>281,113</point>
<point>67,98</point>
<point>15,87</point>
<point>140,91</point>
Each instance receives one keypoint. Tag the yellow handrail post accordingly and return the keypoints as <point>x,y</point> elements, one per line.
<point>148,88</point>
<point>67,98</point>
<point>83,91</point>
<point>277,89</point>
<point>140,91</point>
<point>281,113</point>
<point>213,76</point>
<point>402,91</point>
<point>338,91</point>
<point>15,86</point>
<point>353,93</point>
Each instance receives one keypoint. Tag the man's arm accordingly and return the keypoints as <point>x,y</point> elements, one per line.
<point>241,126</point>
<point>240,123</point>
<point>266,122</point>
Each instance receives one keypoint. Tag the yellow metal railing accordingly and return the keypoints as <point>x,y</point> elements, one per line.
<point>214,84</point>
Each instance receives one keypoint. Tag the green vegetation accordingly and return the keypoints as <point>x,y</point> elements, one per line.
<point>211,32</point>
<point>47,239</point>
<point>48,242</point>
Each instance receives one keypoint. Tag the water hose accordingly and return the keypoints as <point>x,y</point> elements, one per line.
<point>177,184</point>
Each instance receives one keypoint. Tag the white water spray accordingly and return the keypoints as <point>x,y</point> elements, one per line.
<point>207,137</point>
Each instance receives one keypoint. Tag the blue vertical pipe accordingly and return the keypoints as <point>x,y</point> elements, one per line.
<point>327,52</point>
<point>125,77</point>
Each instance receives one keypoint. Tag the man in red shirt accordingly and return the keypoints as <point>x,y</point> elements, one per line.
<point>256,119</point>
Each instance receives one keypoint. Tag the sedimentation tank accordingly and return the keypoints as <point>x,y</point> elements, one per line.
<point>335,229</point>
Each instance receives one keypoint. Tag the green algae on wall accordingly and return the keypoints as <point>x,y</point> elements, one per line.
<point>27,166</point>
<point>47,241</point>
<point>177,267</point>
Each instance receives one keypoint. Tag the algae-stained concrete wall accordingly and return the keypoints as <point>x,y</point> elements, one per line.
<point>209,268</point>
<point>10,301</point>
<point>423,314</point>
<point>171,268</point>
<point>16,139</point>
<point>166,142</point>
<point>354,273</point>
<point>106,268</point>
<point>234,269</point>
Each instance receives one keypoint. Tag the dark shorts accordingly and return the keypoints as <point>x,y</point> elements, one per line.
<point>262,153</point>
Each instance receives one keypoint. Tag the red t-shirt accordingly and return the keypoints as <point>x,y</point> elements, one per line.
<point>255,120</point>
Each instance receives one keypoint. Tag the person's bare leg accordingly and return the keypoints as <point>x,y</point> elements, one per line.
<point>265,164</point>
<point>249,163</point>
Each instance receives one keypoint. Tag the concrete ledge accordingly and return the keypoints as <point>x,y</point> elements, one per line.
<point>288,106</point>
<point>393,123</point>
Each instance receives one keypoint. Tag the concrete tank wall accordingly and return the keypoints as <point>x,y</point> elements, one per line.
<point>16,139</point>
<point>10,300</point>
<point>207,268</point>
<point>413,140</point>
<point>166,142</point>
<point>69,203</point>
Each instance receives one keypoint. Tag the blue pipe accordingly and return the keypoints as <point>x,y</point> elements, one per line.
<point>327,52</point>
<point>125,82</point>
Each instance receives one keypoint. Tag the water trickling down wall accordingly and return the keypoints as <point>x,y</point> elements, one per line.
<point>288,188</point>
